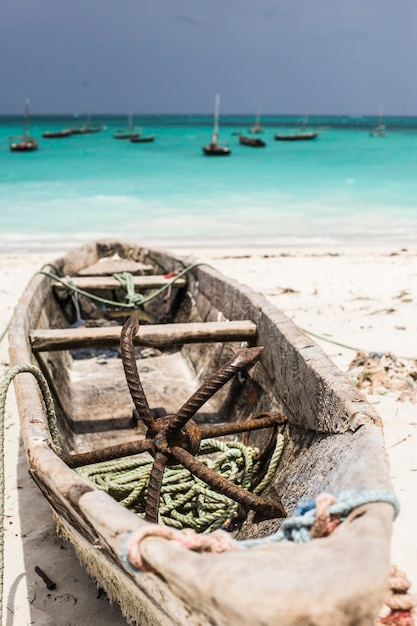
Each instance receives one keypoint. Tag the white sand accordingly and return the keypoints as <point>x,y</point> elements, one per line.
<point>359,298</point>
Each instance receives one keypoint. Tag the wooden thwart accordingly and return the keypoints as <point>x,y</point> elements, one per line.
<point>108,266</point>
<point>152,335</point>
<point>109,282</point>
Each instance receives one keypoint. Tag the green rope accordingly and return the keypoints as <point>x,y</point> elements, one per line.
<point>126,281</point>
<point>136,299</point>
<point>186,501</point>
<point>23,368</point>
<point>7,378</point>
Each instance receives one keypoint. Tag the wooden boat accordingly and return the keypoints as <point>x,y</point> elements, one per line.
<point>145,139</point>
<point>214,148</point>
<point>254,142</point>
<point>302,135</point>
<point>57,134</point>
<point>24,143</point>
<point>88,129</point>
<point>130,132</point>
<point>257,128</point>
<point>197,333</point>
<point>296,136</point>
<point>380,128</point>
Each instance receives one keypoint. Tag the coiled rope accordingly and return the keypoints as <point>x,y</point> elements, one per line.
<point>186,501</point>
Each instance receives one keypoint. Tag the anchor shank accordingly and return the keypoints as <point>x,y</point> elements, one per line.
<point>128,333</point>
<point>268,508</point>
<point>108,454</point>
<point>154,488</point>
<point>243,358</point>
<point>208,431</point>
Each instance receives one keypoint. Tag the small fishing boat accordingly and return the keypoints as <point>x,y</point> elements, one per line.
<point>128,133</point>
<point>253,142</point>
<point>57,134</point>
<point>257,128</point>
<point>302,135</point>
<point>214,148</point>
<point>88,129</point>
<point>24,143</point>
<point>380,129</point>
<point>144,139</point>
<point>181,400</point>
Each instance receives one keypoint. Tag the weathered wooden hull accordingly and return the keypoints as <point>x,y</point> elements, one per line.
<point>333,443</point>
<point>59,134</point>
<point>216,150</point>
<point>148,139</point>
<point>252,142</point>
<point>296,137</point>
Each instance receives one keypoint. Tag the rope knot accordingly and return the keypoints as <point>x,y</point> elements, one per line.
<point>126,281</point>
<point>320,516</point>
<point>215,543</point>
<point>325,523</point>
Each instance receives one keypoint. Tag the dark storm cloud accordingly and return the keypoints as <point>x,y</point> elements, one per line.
<point>173,56</point>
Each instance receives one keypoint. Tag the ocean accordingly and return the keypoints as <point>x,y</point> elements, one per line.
<point>345,187</point>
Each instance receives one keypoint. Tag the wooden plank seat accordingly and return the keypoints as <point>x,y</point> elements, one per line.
<point>99,283</point>
<point>152,335</point>
<point>108,266</point>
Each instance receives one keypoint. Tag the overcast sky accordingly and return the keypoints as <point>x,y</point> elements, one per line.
<point>172,56</point>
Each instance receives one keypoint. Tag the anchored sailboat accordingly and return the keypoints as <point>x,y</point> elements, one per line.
<point>257,128</point>
<point>380,128</point>
<point>24,143</point>
<point>301,135</point>
<point>214,148</point>
<point>130,132</point>
<point>253,142</point>
<point>88,128</point>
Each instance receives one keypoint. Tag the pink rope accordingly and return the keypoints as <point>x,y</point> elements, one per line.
<point>214,543</point>
<point>400,603</point>
<point>324,524</point>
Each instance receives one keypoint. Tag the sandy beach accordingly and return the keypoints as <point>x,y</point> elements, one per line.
<point>348,299</point>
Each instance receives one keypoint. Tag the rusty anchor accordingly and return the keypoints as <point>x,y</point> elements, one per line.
<point>174,439</point>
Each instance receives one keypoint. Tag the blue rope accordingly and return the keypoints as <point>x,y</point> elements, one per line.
<point>297,527</point>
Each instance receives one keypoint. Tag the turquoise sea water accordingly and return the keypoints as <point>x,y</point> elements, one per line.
<point>345,186</point>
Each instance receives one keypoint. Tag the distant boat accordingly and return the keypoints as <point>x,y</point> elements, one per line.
<point>253,142</point>
<point>213,148</point>
<point>300,136</point>
<point>146,139</point>
<point>88,128</point>
<point>24,143</point>
<point>380,128</point>
<point>257,128</point>
<point>128,133</point>
<point>57,134</point>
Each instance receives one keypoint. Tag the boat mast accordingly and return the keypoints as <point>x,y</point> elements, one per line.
<point>380,116</point>
<point>215,135</point>
<point>27,103</point>
<point>305,121</point>
<point>130,120</point>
